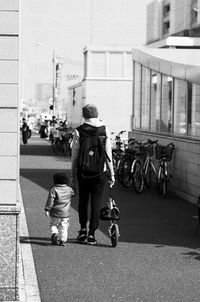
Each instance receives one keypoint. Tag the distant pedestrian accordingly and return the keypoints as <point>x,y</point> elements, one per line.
<point>25,130</point>
<point>58,208</point>
<point>91,165</point>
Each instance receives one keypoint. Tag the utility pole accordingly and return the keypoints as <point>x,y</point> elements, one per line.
<point>53,91</point>
<point>58,63</point>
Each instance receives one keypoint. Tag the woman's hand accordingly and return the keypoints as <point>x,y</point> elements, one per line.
<point>47,213</point>
<point>112,181</point>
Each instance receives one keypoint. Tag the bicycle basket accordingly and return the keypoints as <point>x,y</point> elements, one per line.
<point>164,152</point>
<point>108,213</point>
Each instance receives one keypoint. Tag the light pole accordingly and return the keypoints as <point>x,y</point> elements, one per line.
<point>58,63</point>
<point>53,91</point>
<point>91,21</point>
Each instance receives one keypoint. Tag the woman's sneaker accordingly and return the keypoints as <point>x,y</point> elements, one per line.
<point>91,240</point>
<point>82,236</point>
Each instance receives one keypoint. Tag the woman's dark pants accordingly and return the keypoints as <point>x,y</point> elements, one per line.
<point>91,190</point>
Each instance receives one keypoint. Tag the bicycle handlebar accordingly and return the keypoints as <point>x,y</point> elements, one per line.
<point>148,142</point>
<point>169,145</point>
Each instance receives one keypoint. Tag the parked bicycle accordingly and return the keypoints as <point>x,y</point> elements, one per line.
<point>148,168</point>
<point>118,149</point>
<point>129,171</point>
<point>61,145</point>
<point>164,155</point>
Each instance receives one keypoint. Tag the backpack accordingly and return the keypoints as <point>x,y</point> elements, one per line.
<point>92,155</point>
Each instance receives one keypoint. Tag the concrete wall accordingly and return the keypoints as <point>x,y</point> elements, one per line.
<point>113,99</point>
<point>9,149</point>
<point>107,83</point>
<point>154,21</point>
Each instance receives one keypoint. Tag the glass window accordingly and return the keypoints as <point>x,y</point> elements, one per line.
<point>137,95</point>
<point>145,98</point>
<point>194,110</point>
<point>180,93</point>
<point>166,104</point>
<point>155,101</point>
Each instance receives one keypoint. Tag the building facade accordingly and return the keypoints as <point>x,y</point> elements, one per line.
<point>9,150</point>
<point>172,18</point>
<point>107,83</point>
<point>166,106</point>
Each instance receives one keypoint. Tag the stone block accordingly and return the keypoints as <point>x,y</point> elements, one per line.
<point>9,5</point>
<point>9,71</point>
<point>8,144</point>
<point>8,120</point>
<point>8,192</point>
<point>8,95</point>
<point>8,166</point>
<point>9,23</point>
<point>9,48</point>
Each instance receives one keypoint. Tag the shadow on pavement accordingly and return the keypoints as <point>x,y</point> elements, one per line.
<point>145,218</point>
<point>35,240</point>
<point>33,150</point>
<point>192,255</point>
<point>47,242</point>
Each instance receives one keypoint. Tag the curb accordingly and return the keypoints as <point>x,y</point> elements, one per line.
<point>28,284</point>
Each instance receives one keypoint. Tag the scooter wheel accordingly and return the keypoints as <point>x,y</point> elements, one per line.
<point>114,235</point>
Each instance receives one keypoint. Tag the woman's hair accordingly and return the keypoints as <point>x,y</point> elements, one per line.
<point>60,178</point>
<point>90,111</point>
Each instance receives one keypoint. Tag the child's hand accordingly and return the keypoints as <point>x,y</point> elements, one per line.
<point>47,213</point>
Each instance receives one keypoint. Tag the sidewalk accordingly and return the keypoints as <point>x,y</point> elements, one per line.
<point>28,285</point>
<point>156,260</point>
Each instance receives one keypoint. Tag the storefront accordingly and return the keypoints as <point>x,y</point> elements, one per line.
<point>166,105</point>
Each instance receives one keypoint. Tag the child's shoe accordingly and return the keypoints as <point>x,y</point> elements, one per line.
<point>54,239</point>
<point>63,243</point>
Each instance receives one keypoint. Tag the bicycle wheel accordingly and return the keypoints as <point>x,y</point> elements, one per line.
<point>162,181</point>
<point>114,159</point>
<point>148,175</point>
<point>137,176</point>
<point>66,149</point>
<point>57,147</point>
<point>118,172</point>
<point>114,235</point>
<point>124,172</point>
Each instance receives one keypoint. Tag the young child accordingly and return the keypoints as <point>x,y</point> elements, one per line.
<point>58,208</point>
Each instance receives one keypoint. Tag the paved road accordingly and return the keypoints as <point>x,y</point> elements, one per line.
<point>157,258</point>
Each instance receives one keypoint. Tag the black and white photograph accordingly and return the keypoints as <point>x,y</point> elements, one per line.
<point>100,150</point>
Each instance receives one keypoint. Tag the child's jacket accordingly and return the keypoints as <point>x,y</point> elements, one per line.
<point>59,200</point>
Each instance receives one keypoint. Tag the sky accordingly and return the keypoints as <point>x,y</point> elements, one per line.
<point>68,26</point>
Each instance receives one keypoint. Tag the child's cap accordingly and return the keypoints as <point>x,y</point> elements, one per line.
<point>60,178</point>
